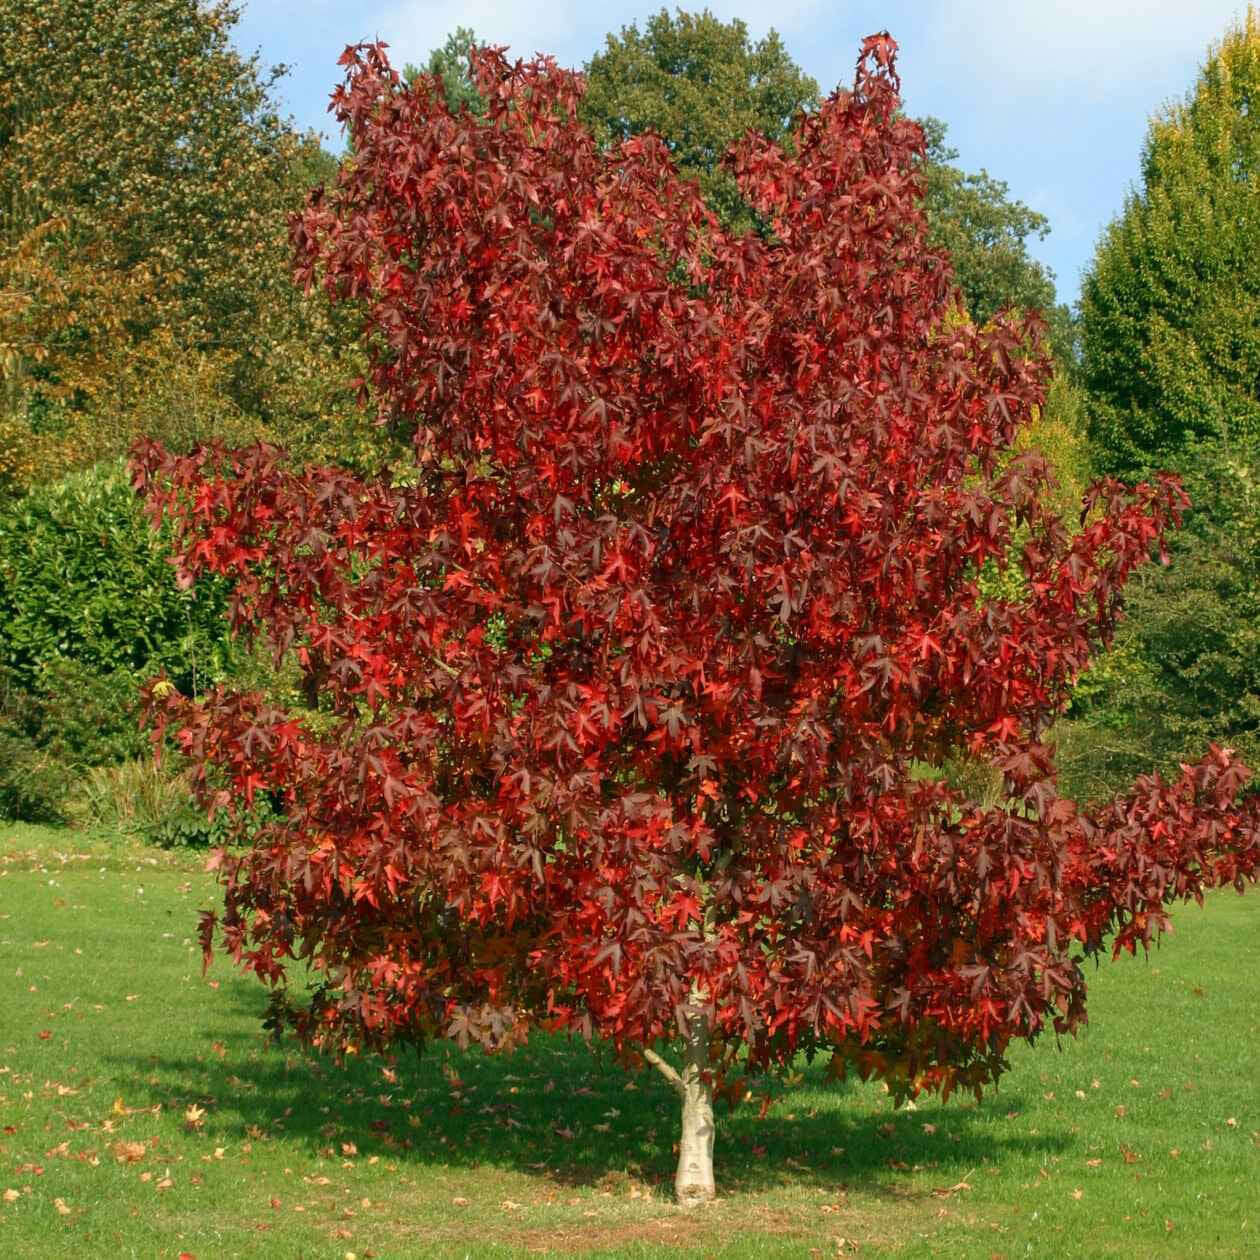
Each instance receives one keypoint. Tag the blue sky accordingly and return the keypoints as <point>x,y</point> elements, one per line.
<point>1052,96</point>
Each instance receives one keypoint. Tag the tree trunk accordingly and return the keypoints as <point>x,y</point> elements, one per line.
<point>693,1183</point>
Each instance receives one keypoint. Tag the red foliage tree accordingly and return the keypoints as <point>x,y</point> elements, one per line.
<point>635,671</point>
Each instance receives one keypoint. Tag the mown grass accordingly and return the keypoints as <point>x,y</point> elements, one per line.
<point>1140,1139</point>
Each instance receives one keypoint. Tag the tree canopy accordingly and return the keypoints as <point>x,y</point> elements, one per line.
<point>700,84</point>
<point>1170,309</point>
<point>1170,328</point>
<point>146,179</point>
<point>635,673</point>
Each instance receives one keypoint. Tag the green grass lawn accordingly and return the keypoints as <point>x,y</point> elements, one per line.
<point>142,1114</point>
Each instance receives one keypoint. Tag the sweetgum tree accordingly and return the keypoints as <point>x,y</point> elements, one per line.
<point>633,676</point>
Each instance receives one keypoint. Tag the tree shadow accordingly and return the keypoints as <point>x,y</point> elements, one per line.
<point>567,1109</point>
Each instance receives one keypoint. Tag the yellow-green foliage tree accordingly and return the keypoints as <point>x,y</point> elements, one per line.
<point>1170,326</point>
<point>145,186</point>
<point>1170,310</point>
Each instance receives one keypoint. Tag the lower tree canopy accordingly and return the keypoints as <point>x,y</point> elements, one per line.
<point>637,671</point>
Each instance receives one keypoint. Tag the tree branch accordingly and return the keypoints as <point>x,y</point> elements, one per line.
<point>664,1068</point>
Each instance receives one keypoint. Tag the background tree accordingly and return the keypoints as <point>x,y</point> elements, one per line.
<point>699,83</point>
<point>1170,310</point>
<point>1170,324</point>
<point>633,677</point>
<point>451,64</point>
<point>146,180</point>
<point>972,217</point>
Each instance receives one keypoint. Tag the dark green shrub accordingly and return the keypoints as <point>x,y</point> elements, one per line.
<point>188,827</point>
<point>84,578</point>
<point>1185,667</point>
<point>84,718</point>
<point>32,783</point>
<point>69,720</point>
<point>89,608</point>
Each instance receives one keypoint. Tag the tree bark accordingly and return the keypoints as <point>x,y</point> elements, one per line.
<point>693,1183</point>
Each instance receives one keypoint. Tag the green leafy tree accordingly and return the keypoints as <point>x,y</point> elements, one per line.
<point>154,143</point>
<point>1186,660</point>
<point>700,84</point>
<point>450,64</point>
<point>986,233</point>
<point>1170,310</point>
<point>1170,330</point>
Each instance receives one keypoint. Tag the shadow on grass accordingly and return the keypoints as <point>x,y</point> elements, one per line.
<point>565,1108</point>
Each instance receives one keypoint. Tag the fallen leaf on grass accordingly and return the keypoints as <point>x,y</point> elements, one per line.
<point>129,1152</point>
<point>11,1195</point>
<point>944,1192</point>
<point>460,1201</point>
<point>194,1117</point>
<point>508,1206</point>
<point>63,1208</point>
<point>1078,1193</point>
<point>45,1034</point>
